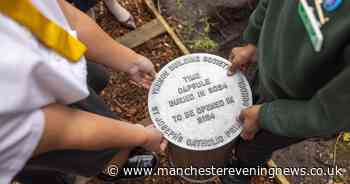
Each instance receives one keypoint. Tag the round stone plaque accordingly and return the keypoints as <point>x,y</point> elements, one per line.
<point>195,104</point>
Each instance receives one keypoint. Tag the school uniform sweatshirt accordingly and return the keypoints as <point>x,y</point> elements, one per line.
<point>307,92</point>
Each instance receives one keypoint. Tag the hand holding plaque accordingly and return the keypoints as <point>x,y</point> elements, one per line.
<point>155,141</point>
<point>242,57</point>
<point>251,123</point>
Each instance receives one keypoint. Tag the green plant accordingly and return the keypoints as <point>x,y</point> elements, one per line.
<point>203,43</point>
<point>179,3</point>
<point>206,24</point>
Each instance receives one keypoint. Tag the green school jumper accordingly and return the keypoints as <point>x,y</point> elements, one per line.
<point>307,92</point>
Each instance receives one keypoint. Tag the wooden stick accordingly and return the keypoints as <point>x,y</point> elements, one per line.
<point>171,32</point>
<point>280,178</point>
<point>142,34</point>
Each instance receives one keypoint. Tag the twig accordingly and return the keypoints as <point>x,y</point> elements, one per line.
<point>335,156</point>
<point>335,148</point>
<point>171,32</point>
<point>229,39</point>
<point>221,17</point>
<point>159,9</point>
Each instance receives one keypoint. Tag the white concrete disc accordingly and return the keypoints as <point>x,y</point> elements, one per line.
<point>195,104</point>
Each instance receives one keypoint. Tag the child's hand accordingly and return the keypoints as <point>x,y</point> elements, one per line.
<point>242,57</point>
<point>155,141</point>
<point>251,122</point>
<point>142,72</point>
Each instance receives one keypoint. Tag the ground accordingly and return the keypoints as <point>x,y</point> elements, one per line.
<point>204,26</point>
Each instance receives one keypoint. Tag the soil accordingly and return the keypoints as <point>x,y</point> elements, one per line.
<point>227,20</point>
<point>316,153</point>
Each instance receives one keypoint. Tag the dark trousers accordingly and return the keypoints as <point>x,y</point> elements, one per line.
<point>255,153</point>
<point>259,150</point>
<point>52,166</point>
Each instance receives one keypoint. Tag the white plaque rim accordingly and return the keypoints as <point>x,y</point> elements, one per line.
<point>234,136</point>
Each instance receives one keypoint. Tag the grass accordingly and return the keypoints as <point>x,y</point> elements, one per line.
<point>341,150</point>
<point>179,4</point>
<point>206,24</point>
<point>203,41</point>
